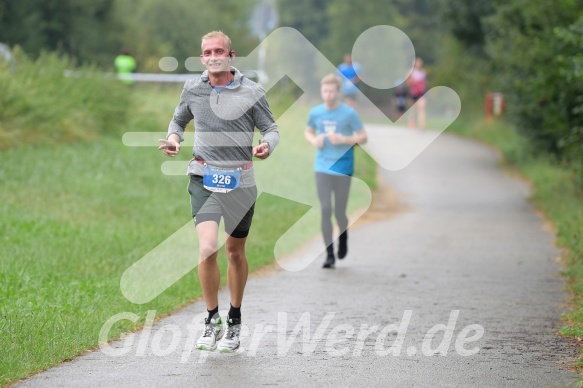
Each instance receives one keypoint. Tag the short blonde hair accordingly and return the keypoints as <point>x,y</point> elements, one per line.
<point>217,34</point>
<point>331,79</point>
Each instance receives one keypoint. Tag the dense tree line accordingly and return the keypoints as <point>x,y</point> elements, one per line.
<point>334,25</point>
<point>93,31</point>
<point>533,53</point>
<point>82,29</point>
<point>530,50</point>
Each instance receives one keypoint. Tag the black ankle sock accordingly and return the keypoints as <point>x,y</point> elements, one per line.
<point>235,313</point>
<point>213,312</point>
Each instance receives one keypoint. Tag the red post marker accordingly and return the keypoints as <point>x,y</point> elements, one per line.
<point>494,106</point>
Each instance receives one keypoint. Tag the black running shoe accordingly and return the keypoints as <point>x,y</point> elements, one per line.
<point>329,263</point>
<point>343,245</point>
<point>342,250</point>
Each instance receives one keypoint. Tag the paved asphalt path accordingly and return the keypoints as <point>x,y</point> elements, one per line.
<point>463,249</point>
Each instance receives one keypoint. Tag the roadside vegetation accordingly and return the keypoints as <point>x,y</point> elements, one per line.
<point>530,52</point>
<point>555,191</point>
<point>39,105</point>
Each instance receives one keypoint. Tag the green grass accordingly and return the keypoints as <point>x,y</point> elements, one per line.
<point>39,105</point>
<point>75,217</point>
<point>557,192</point>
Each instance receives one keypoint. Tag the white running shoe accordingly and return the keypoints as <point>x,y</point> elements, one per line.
<point>213,331</point>
<point>230,341</point>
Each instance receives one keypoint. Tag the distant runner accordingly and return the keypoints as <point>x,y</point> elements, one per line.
<point>334,128</point>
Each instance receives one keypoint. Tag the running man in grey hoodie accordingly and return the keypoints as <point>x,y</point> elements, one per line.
<point>226,107</point>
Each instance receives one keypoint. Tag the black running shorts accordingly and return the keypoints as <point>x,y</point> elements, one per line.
<point>236,207</point>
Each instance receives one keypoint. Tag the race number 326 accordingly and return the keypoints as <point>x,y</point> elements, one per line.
<point>221,179</point>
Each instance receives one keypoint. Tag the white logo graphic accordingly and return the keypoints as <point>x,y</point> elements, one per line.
<point>291,332</point>
<point>385,54</point>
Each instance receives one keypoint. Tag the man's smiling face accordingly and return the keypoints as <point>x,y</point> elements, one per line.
<point>215,55</point>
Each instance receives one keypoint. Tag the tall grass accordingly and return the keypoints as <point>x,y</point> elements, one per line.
<point>38,104</point>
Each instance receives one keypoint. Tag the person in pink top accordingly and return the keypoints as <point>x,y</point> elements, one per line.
<point>417,83</point>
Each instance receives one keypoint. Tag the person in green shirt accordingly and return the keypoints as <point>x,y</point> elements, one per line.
<point>125,64</point>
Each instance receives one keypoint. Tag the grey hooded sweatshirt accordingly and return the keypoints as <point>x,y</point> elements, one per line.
<point>224,121</point>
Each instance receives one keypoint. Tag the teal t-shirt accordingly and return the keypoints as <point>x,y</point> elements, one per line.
<point>334,159</point>
<point>348,73</point>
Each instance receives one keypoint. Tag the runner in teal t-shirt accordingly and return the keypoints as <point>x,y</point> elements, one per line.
<point>334,128</point>
<point>348,72</point>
